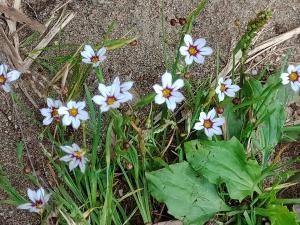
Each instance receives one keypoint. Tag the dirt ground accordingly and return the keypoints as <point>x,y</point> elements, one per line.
<point>221,23</point>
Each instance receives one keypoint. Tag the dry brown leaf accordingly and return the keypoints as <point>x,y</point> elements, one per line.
<point>14,15</point>
<point>9,50</point>
<point>47,38</point>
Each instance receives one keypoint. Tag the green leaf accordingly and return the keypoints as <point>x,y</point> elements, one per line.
<point>233,119</point>
<point>225,162</point>
<point>118,43</point>
<point>20,148</point>
<point>278,215</point>
<point>145,101</point>
<point>269,131</point>
<point>189,198</point>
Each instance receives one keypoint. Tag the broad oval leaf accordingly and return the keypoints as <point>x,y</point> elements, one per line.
<point>278,215</point>
<point>225,162</point>
<point>189,197</point>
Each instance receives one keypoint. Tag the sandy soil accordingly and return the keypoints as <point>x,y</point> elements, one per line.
<point>222,23</point>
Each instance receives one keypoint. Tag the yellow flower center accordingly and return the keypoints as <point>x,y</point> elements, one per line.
<point>293,76</point>
<point>78,154</point>
<point>2,79</point>
<point>111,100</point>
<point>73,112</point>
<point>223,88</point>
<point>193,50</point>
<point>167,92</point>
<point>38,204</point>
<point>208,123</point>
<point>95,59</point>
<point>54,112</point>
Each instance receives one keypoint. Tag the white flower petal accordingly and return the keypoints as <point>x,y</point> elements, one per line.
<point>198,126</point>
<point>99,99</point>
<point>40,194</point>
<point>221,80</point>
<point>66,158</point>
<point>201,42</point>
<point>234,88</point>
<point>6,87</point>
<point>206,51</point>
<point>230,93</point>
<point>218,121</point>
<point>221,96</point>
<point>126,86</point>
<point>157,88</point>
<point>211,114</point>
<point>32,195</point>
<point>75,147</point>
<point>71,104</point>
<point>179,83</point>
<point>66,120</point>
<point>295,87</point>
<point>3,69</point>
<point>101,52</point>
<point>290,69</point>
<point>83,115</point>
<point>188,40</point>
<point>82,166</point>
<point>171,104</point>
<point>202,116</point>
<point>189,59</point>
<point>75,123</point>
<point>199,59</point>
<point>166,79</point>
<point>103,90</point>
<point>90,50</point>
<point>46,111</point>
<point>57,104</point>
<point>47,121</point>
<point>104,108</point>
<point>87,60</point>
<point>73,164</point>
<point>13,75</point>
<point>177,96</point>
<point>159,99</point>
<point>184,50</point>
<point>208,132</point>
<point>46,197</point>
<point>25,206</point>
<point>80,105</point>
<point>227,82</point>
<point>217,130</point>
<point>50,102</point>
<point>67,149</point>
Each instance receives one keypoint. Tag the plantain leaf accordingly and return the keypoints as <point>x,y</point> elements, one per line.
<point>189,197</point>
<point>225,162</point>
<point>278,215</point>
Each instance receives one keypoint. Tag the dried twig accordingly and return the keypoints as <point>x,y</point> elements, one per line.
<point>16,16</point>
<point>47,38</point>
<point>10,51</point>
<point>266,45</point>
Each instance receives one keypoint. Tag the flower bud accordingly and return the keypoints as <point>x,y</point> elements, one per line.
<point>129,166</point>
<point>173,22</point>
<point>126,145</point>
<point>182,21</point>
<point>134,43</point>
<point>220,110</point>
<point>236,101</point>
<point>27,169</point>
